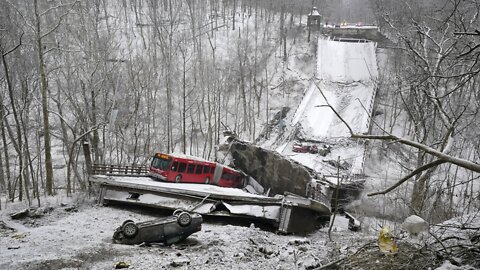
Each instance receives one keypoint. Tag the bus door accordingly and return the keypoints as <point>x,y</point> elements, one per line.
<point>217,174</point>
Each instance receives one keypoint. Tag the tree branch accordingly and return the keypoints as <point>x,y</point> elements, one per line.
<point>57,25</point>
<point>410,175</point>
<point>442,156</point>
<point>448,158</point>
<point>14,48</point>
<point>331,107</point>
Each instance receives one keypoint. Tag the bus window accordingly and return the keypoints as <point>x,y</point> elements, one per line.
<point>199,169</point>
<point>230,176</point>
<point>227,176</point>
<point>160,163</point>
<point>191,168</point>
<point>206,169</point>
<point>182,167</point>
<point>174,166</point>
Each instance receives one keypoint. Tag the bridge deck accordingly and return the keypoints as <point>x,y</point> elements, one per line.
<point>290,213</point>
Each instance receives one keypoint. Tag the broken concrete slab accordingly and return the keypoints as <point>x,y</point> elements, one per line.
<point>270,169</point>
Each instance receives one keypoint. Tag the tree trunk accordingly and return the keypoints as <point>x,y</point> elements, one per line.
<point>96,138</point>
<point>44,92</point>
<point>18,144</point>
<point>234,13</point>
<point>5,153</point>
<point>3,183</point>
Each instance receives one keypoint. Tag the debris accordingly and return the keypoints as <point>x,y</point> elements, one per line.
<point>344,249</point>
<point>299,241</point>
<point>4,228</point>
<point>386,241</point>
<point>302,248</point>
<point>37,213</point>
<point>180,262</point>
<point>18,235</point>
<point>121,265</point>
<point>32,213</point>
<point>20,215</point>
<point>239,255</point>
<point>354,224</point>
<point>342,165</point>
<point>310,262</point>
<point>449,266</point>
<point>250,189</point>
<point>266,250</point>
<point>254,187</point>
<point>415,225</point>
<point>270,169</point>
<point>324,151</point>
<point>71,208</point>
<point>15,247</point>
<point>48,209</point>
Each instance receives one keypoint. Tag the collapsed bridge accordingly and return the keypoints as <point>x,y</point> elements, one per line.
<point>289,212</point>
<point>296,203</point>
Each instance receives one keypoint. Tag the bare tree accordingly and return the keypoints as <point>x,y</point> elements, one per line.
<point>10,86</point>
<point>438,85</point>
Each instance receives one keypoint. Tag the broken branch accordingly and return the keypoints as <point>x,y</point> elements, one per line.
<point>410,175</point>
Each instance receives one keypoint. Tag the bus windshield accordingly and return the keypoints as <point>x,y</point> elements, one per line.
<point>160,163</point>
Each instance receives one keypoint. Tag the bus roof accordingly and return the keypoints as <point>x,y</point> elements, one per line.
<point>180,155</point>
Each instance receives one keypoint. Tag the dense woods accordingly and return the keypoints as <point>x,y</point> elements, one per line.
<point>129,78</point>
<point>433,93</point>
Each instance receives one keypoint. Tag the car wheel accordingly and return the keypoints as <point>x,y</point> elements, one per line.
<point>178,178</point>
<point>127,221</point>
<point>207,180</point>
<point>130,229</point>
<point>184,219</point>
<point>176,212</point>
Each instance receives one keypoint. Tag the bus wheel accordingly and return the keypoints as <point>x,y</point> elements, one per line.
<point>207,180</point>
<point>178,178</point>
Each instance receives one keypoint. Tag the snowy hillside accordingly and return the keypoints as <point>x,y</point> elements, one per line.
<point>345,80</point>
<point>134,77</point>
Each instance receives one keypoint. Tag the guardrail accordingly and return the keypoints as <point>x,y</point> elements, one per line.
<point>353,40</point>
<point>106,169</point>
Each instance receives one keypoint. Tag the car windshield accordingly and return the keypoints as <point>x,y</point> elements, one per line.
<point>160,163</point>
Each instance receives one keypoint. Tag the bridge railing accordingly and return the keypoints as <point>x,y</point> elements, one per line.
<point>108,169</point>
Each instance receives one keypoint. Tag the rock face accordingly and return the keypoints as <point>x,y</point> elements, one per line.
<point>271,170</point>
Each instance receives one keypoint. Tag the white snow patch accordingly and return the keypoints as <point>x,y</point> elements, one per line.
<point>415,224</point>
<point>346,61</point>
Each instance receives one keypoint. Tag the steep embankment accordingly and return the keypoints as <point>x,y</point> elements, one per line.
<point>345,83</point>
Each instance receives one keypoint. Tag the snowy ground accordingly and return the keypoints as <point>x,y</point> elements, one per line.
<point>81,239</point>
<point>77,235</point>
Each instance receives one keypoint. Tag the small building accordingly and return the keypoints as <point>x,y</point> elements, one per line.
<point>314,19</point>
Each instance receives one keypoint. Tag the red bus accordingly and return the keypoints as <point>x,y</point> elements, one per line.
<point>181,168</point>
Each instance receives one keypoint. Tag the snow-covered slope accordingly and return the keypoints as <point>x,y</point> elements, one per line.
<point>346,61</point>
<point>345,80</point>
